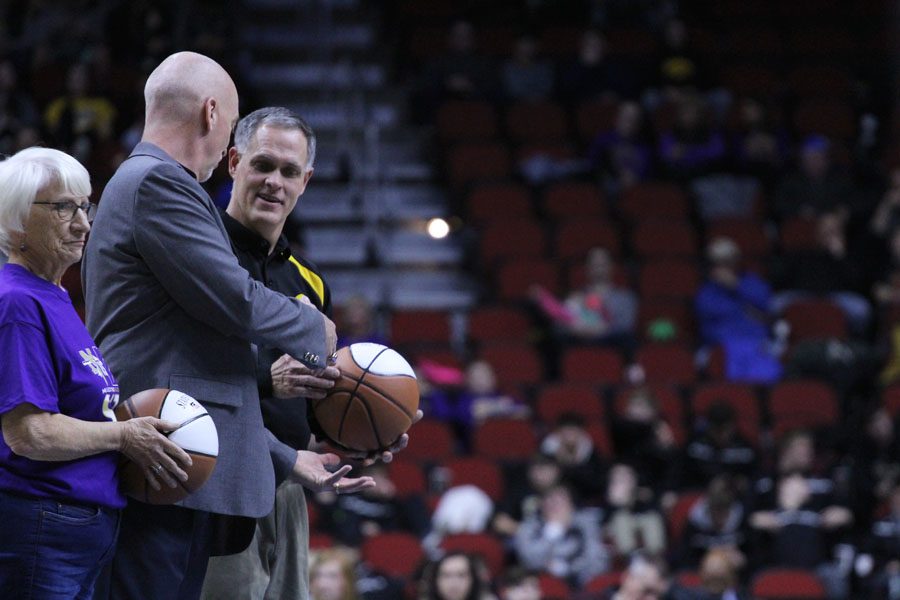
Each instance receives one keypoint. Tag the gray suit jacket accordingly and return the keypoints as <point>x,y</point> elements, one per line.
<point>171,307</point>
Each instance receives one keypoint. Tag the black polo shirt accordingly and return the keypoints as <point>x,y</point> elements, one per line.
<point>292,276</point>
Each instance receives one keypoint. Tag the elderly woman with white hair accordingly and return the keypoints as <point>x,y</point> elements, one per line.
<point>60,443</point>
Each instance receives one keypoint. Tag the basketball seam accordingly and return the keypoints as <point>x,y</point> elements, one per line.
<point>353,394</point>
<point>360,382</point>
<point>189,421</point>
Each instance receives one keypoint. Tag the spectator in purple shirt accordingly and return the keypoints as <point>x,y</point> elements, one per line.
<point>693,146</point>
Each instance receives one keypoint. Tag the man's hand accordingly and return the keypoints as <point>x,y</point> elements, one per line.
<point>386,456</point>
<point>311,471</point>
<point>292,379</point>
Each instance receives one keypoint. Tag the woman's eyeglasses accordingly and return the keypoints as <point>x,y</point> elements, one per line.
<point>67,209</point>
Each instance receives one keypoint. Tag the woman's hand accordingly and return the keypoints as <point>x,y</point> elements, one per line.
<point>144,443</point>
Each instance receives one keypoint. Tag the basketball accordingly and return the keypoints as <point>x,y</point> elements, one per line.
<point>374,401</point>
<point>196,435</point>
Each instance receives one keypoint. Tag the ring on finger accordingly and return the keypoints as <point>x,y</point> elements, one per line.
<point>157,468</point>
<point>337,488</point>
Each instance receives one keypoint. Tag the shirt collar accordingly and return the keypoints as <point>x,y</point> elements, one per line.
<point>248,240</point>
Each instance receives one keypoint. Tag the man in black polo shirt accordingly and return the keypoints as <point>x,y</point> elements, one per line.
<point>271,163</point>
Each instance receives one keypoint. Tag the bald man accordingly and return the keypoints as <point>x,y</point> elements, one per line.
<point>171,307</point>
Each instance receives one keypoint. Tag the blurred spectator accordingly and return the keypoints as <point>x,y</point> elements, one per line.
<point>718,448</point>
<point>759,147</point>
<point>562,540</point>
<point>694,146</point>
<point>886,217</point>
<point>875,455</point>
<point>594,73</point>
<point>523,495</point>
<point>883,548</point>
<point>527,76</point>
<point>479,400</point>
<point>461,509</point>
<point>79,120</point>
<point>621,155</point>
<point>647,578</point>
<point>455,576</point>
<point>460,73</point>
<point>886,290</point>
<point>630,519</point>
<point>602,311</point>
<point>642,438</point>
<point>520,584</point>
<point>17,110</point>
<point>332,576</point>
<point>719,576</point>
<point>679,68</point>
<point>717,521</point>
<point>816,187</point>
<point>796,454</point>
<point>356,322</point>
<point>734,310</point>
<point>830,271</point>
<point>796,534</point>
<point>571,446</point>
<point>351,518</point>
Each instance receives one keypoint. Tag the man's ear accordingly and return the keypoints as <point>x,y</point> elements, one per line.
<point>306,178</point>
<point>210,113</point>
<point>233,159</point>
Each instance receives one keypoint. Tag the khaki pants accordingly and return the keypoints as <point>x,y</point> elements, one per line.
<point>276,564</point>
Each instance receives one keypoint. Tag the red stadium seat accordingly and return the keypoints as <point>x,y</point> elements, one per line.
<point>748,234</point>
<point>320,541</point>
<point>516,277</point>
<point>536,121</point>
<point>667,363</point>
<point>604,583</point>
<point>498,202</point>
<point>431,441</point>
<point>679,312</point>
<point>890,399</point>
<point>669,278</point>
<point>787,584</point>
<point>395,554</point>
<point>482,544</point>
<point>553,588</point>
<point>740,396</point>
<point>569,200</point>
<point>599,432</point>
<point>658,238</point>
<point>677,517</point>
<point>505,439</point>
<point>466,120</point>
<point>832,118</point>
<point>797,234</point>
<point>514,364</point>
<point>802,403</point>
<point>820,81</point>
<point>750,80</point>
<point>512,238</point>
<point>654,200</point>
<point>595,116</point>
<point>816,320</point>
<point>419,326</point>
<point>494,323</point>
<point>590,364</point>
<point>408,477</point>
<point>556,399</point>
<point>472,162</point>
<point>480,472</point>
<point>574,237</point>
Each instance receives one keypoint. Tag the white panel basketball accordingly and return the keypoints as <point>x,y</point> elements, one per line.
<point>199,436</point>
<point>197,431</point>
<point>380,360</point>
<point>178,407</point>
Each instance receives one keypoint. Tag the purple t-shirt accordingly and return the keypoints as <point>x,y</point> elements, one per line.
<point>49,360</point>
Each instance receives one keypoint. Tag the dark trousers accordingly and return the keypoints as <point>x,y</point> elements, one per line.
<point>51,549</point>
<point>162,554</point>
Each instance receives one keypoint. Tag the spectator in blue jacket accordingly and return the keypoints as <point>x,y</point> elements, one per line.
<point>733,311</point>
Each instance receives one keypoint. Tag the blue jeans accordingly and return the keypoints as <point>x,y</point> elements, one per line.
<point>53,550</point>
